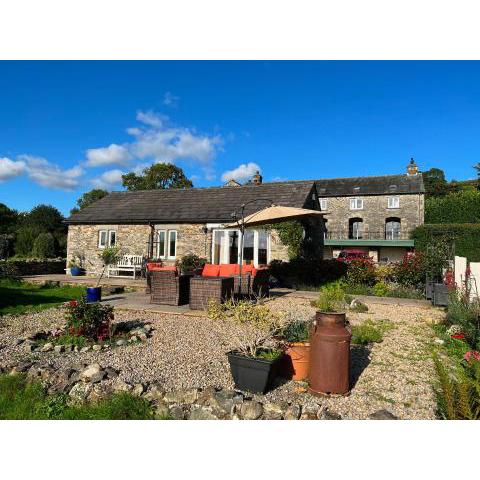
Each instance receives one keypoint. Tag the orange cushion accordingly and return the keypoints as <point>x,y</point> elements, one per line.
<point>164,269</point>
<point>153,265</point>
<point>229,270</point>
<point>210,270</point>
<point>248,268</point>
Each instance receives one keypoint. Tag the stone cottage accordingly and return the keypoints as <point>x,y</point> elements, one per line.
<point>185,221</point>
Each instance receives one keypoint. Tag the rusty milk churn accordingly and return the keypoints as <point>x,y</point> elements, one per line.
<point>329,354</point>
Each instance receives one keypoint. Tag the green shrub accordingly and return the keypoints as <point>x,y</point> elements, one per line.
<point>297,331</point>
<point>370,331</point>
<point>331,297</point>
<point>465,238</point>
<point>25,239</point>
<point>461,311</point>
<point>44,246</point>
<point>381,289</point>
<point>458,391</point>
<point>410,271</point>
<point>359,307</point>
<point>361,272</point>
<point>459,207</point>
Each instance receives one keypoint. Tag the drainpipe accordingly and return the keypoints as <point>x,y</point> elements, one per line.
<point>150,243</point>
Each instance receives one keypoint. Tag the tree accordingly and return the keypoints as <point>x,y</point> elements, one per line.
<point>88,198</point>
<point>46,218</point>
<point>477,168</point>
<point>158,176</point>
<point>44,246</point>
<point>8,219</point>
<point>26,236</point>
<point>435,183</point>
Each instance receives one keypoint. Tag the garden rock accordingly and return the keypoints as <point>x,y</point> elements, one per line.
<point>93,373</point>
<point>274,411</point>
<point>310,412</point>
<point>201,413</point>
<point>121,386</point>
<point>251,410</point>
<point>48,347</point>
<point>99,391</point>
<point>96,348</point>
<point>138,389</point>
<point>80,392</point>
<point>85,349</point>
<point>182,396</point>
<point>358,305</point>
<point>326,414</point>
<point>111,373</point>
<point>383,415</point>
<point>59,348</point>
<point>177,412</point>
<point>293,412</point>
<point>155,392</point>
<point>161,410</point>
<point>120,342</point>
<point>68,348</point>
<point>21,367</point>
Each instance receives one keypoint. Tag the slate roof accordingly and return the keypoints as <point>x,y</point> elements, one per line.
<point>381,185</point>
<point>193,205</point>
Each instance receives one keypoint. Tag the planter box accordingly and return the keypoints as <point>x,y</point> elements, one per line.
<point>94,294</point>
<point>252,374</point>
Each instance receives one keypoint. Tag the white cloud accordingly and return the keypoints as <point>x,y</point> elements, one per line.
<point>109,179</point>
<point>10,168</point>
<point>112,155</point>
<point>170,100</point>
<point>157,140</point>
<point>49,175</point>
<point>242,173</point>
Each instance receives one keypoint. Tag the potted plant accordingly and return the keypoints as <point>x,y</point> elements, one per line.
<point>75,266</point>
<point>255,353</point>
<point>191,263</point>
<point>296,361</point>
<point>109,256</point>
<point>331,302</point>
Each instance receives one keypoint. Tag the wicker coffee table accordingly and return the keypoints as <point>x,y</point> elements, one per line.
<point>202,289</point>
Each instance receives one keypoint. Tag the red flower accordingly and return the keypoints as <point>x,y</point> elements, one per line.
<point>73,303</point>
<point>470,354</point>
<point>458,336</point>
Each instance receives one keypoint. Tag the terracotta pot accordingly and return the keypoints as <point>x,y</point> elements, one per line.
<point>297,361</point>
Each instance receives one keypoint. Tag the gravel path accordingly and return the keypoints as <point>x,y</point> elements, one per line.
<point>190,352</point>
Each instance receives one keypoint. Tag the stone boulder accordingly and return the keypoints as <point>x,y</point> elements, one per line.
<point>383,415</point>
<point>93,373</point>
<point>251,410</point>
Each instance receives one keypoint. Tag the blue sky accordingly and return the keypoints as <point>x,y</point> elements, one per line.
<point>66,127</point>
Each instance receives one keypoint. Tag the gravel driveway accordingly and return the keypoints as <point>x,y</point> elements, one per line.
<point>190,352</point>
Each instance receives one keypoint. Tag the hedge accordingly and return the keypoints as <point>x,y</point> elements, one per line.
<point>461,207</point>
<point>464,237</point>
<point>18,268</point>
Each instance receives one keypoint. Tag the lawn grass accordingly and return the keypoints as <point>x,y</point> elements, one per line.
<point>23,400</point>
<point>18,297</point>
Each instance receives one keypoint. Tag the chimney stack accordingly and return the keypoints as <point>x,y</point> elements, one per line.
<point>412,168</point>
<point>257,178</point>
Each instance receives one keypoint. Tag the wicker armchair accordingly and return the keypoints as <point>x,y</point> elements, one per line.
<point>203,289</point>
<point>168,288</point>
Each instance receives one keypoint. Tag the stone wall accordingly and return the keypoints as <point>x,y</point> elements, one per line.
<point>375,212</point>
<point>20,268</point>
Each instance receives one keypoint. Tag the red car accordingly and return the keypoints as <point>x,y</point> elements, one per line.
<point>348,256</point>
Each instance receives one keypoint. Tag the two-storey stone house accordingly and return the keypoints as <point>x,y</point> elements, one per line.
<point>372,214</point>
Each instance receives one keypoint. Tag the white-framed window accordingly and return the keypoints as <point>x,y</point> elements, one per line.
<point>167,244</point>
<point>356,203</point>
<point>226,247</point>
<point>393,202</point>
<point>323,203</point>
<point>107,238</point>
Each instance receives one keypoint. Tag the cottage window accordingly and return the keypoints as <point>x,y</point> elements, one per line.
<point>167,243</point>
<point>356,203</point>
<point>355,229</point>
<point>106,238</point>
<point>323,203</point>
<point>393,202</point>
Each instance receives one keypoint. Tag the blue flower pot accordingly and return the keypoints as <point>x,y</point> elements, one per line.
<point>77,271</point>
<point>94,294</point>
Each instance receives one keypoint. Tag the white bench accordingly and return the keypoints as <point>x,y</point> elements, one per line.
<point>128,263</point>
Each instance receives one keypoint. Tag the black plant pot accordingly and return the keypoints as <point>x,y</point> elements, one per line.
<point>251,374</point>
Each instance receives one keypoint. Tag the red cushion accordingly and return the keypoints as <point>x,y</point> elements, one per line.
<point>164,269</point>
<point>210,270</point>
<point>153,265</point>
<point>229,270</point>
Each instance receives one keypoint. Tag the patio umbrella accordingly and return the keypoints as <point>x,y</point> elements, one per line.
<point>275,214</point>
<point>269,215</point>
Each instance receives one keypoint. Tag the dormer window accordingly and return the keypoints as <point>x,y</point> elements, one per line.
<point>356,203</point>
<point>393,202</point>
<point>322,190</point>
<point>356,189</point>
<point>323,203</point>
